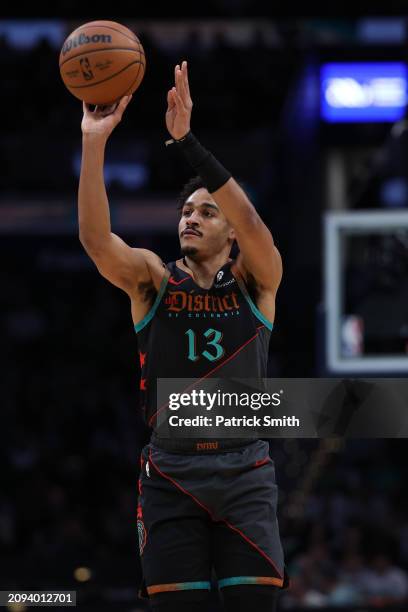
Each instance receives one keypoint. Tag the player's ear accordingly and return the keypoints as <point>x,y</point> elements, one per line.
<point>231,234</point>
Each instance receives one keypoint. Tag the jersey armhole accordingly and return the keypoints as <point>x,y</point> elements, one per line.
<point>268,324</point>
<point>149,316</point>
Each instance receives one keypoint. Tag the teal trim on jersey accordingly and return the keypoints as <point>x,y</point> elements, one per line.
<point>239,580</point>
<point>187,586</point>
<point>252,305</point>
<point>139,326</point>
<point>236,580</point>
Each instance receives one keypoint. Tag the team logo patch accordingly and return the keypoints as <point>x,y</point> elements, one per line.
<point>141,531</point>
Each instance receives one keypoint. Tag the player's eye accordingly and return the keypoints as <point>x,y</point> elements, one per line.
<point>208,214</point>
<point>186,212</point>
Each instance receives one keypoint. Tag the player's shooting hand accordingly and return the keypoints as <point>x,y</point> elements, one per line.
<point>179,104</point>
<point>103,119</point>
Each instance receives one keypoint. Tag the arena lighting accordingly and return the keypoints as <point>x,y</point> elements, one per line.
<point>82,574</point>
<point>361,92</point>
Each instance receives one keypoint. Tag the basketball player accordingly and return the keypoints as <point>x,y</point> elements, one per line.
<point>202,505</point>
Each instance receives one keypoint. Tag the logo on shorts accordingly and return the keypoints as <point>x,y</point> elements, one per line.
<point>141,531</point>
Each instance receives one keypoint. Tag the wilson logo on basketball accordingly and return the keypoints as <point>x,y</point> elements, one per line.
<point>84,39</point>
<point>181,300</point>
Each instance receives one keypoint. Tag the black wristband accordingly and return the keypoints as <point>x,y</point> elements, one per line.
<point>213,174</point>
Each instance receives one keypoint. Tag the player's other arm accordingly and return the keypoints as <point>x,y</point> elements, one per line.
<point>258,254</point>
<point>119,263</point>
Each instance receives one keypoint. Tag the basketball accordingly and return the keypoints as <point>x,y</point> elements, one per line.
<point>101,61</point>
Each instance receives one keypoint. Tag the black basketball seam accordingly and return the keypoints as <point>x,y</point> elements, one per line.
<point>104,49</point>
<point>135,39</point>
<point>107,78</point>
<point>133,82</point>
<point>137,76</point>
<point>131,85</point>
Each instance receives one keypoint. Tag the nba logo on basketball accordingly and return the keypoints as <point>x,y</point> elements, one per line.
<point>86,68</point>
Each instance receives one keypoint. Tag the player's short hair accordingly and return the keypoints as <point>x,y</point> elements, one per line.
<point>188,188</point>
<point>196,182</point>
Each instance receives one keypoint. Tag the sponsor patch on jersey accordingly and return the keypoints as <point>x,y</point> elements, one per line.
<point>218,286</point>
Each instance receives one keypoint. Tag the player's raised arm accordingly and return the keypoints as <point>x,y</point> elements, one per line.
<point>258,254</point>
<point>119,263</point>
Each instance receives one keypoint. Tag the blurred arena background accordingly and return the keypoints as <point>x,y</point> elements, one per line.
<point>310,114</point>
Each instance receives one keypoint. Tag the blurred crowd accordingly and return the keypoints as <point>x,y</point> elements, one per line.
<point>320,582</point>
<point>344,517</point>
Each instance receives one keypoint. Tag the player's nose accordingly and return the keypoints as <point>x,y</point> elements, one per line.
<point>194,217</point>
<point>192,223</point>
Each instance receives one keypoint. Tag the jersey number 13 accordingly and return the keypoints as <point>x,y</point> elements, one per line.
<point>213,338</point>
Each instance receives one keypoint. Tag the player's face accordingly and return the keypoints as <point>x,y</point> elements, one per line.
<point>203,229</point>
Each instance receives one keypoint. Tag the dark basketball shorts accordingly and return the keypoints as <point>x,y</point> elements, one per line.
<point>199,512</point>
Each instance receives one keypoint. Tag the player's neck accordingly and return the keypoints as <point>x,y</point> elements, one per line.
<point>203,272</point>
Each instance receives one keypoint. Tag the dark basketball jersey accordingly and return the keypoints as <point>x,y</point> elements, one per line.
<point>191,332</point>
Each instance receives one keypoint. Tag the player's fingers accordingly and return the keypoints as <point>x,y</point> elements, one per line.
<point>180,86</point>
<point>170,100</point>
<point>175,74</point>
<point>179,102</point>
<point>185,89</point>
<point>123,102</point>
<point>184,70</point>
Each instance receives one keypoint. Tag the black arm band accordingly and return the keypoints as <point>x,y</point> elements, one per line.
<point>213,174</point>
